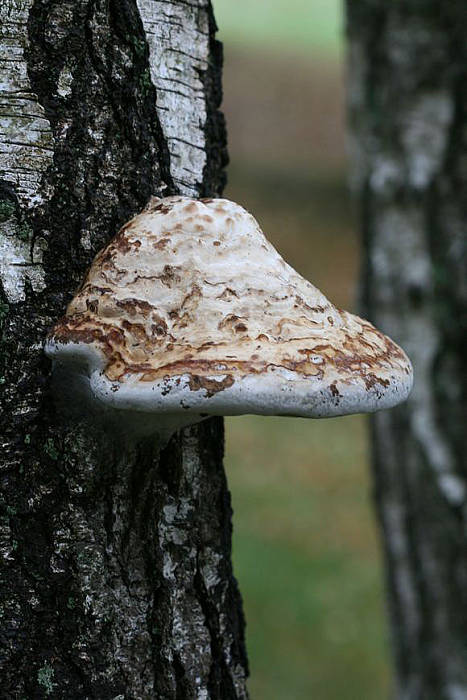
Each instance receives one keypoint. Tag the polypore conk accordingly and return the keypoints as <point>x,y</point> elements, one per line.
<point>190,311</point>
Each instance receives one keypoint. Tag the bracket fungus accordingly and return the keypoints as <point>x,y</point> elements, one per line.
<point>190,312</point>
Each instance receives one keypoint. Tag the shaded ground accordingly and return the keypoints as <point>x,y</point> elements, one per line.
<point>305,557</point>
<point>305,548</point>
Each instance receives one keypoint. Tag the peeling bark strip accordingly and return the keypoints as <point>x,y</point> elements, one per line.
<point>116,579</point>
<point>178,37</point>
<point>408,111</point>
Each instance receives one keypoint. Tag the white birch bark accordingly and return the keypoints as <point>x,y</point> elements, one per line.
<point>26,152</point>
<point>178,39</point>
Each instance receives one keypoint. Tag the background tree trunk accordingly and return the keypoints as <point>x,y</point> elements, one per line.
<point>116,579</point>
<point>408,114</point>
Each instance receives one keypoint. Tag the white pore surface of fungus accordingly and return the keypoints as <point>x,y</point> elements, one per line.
<point>190,311</point>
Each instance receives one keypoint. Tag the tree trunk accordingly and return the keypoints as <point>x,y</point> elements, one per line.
<point>408,113</point>
<point>116,579</point>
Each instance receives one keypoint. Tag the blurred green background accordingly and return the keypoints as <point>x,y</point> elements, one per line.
<point>306,550</point>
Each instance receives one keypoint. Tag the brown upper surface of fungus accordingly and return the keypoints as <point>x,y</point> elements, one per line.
<point>216,305</point>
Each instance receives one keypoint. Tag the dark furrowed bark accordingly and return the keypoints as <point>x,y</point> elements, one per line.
<point>116,579</point>
<point>408,115</point>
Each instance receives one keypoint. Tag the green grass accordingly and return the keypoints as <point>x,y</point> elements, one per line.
<point>299,25</point>
<point>306,557</point>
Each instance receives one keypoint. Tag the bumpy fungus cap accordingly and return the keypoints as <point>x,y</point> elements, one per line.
<point>190,309</point>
